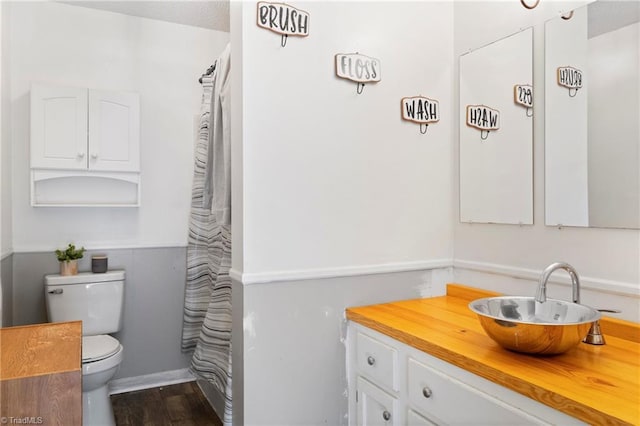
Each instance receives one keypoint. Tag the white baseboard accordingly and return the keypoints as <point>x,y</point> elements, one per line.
<point>147,381</point>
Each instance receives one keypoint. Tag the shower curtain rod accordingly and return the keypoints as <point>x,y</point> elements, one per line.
<point>208,72</point>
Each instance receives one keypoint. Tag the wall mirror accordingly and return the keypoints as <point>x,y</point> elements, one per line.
<point>592,133</point>
<point>496,137</point>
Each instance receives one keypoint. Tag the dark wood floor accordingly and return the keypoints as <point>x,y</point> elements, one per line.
<point>181,404</point>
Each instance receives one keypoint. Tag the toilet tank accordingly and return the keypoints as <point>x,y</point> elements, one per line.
<point>95,299</point>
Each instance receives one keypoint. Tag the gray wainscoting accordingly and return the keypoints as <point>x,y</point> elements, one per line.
<point>154,296</point>
<point>7,290</point>
<point>289,355</point>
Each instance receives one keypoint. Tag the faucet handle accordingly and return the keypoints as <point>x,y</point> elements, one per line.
<point>594,336</point>
<point>610,311</point>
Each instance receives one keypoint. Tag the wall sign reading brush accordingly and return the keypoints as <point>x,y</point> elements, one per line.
<point>571,78</point>
<point>421,110</point>
<point>359,68</point>
<point>523,96</point>
<point>283,19</point>
<point>483,118</point>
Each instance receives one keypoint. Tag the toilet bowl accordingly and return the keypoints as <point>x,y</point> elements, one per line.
<point>101,358</point>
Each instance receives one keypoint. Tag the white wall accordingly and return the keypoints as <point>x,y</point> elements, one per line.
<point>69,45</point>
<point>608,260</point>
<point>2,37</point>
<point>333,179</point>
<point>5,134</point>
<point>332,184</point>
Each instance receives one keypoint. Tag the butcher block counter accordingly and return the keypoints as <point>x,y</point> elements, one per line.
<point>596,384</point>
<point>41,374</point>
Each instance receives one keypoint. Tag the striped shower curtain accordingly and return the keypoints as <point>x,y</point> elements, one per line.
<point>207,309</point>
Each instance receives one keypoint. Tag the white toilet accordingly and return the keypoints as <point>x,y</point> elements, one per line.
<point>96,299</point>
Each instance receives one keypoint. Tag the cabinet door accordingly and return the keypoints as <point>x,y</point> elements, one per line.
<point>58,127</point>
<point>374,406</point>
<point>114,131</point>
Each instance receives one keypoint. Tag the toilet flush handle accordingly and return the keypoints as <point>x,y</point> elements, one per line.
<point>56,291</point>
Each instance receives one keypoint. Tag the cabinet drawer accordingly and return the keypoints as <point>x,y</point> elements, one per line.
<point>377,361</point>
<point>415,419</point>
<point>441,397</point>
<point>375,406</point>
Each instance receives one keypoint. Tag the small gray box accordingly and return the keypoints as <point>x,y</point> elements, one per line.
<point>99,264</point>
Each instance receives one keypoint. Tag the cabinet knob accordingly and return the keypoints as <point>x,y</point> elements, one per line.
<point>371,360</point>
<point>386,415</point>
<point>81,155</point>
<point>94,156</point>
<point>426,392</point>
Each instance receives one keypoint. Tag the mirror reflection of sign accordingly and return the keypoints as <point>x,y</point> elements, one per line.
<point>523,95</point>
<point>283,19</point>
<point>357,67</point>
<point>482,117</point>
<point>420,109</point>
<point>570,77</point>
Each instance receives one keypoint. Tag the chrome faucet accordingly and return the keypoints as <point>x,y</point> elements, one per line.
<point>541,294</point>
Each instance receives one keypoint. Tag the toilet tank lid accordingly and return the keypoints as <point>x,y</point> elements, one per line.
<point>84,278</point>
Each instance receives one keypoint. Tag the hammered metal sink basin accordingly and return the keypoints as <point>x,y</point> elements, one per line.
<point>523,325</point>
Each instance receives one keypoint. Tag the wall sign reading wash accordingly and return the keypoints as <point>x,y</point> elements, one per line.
<point>419,109</point>
<point>283,19</point>
<point>483,118</point>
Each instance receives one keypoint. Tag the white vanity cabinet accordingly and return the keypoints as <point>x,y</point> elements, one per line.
<point>85,146</point>
<point>391,383</point>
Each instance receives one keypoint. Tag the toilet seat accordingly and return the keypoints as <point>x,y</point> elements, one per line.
<point>96,348</point>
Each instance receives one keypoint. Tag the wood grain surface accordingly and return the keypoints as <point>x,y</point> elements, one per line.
<point>41,374</point>
<point>596,384</point>
<point>50,399</point>
<point>39,349</point>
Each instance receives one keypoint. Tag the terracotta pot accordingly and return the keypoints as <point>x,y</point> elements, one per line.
<point>69,267</point>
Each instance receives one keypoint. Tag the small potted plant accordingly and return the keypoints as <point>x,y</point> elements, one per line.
<point>69,259</point>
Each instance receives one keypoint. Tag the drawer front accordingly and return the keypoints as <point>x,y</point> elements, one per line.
<point>415,419</point>
<point>377,361</point>
<point>441,397</point>
<point>375,406</point>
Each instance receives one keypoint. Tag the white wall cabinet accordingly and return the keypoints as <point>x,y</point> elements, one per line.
<point>85,147</point>
<point>391,383</point>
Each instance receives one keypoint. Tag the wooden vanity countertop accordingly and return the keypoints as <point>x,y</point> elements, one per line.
<point>36,350</point>
<point>596,384</point>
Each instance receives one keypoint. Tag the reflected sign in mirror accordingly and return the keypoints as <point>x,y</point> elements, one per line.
<point>496,139</point>
<point>592,135</point>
